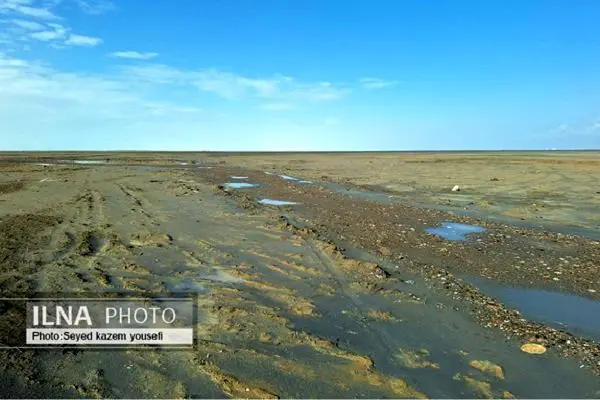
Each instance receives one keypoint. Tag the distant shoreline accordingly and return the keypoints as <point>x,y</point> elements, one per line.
<point>292,152</point>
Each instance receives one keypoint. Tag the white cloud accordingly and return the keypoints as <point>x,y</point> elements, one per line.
<point>232,86</point>
<point>275,89</point>
<point>35,20</point>
<point>81,40</point>
<point>28,25</point>
<point>95,7</point>
<point>376,83</point>
<point>25,8</point>
<point>134,55</point>
<point>59,99</point>
<point>59,32</point>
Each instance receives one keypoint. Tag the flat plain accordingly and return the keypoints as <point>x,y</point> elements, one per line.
<point>344,291</point>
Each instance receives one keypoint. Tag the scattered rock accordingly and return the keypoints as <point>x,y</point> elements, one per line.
<point>385,251</point>
<point>380,272</point>
<point>533,348</point>
<point>494,179</point>
<point>488,367</point>
<point>484,389</point>
<point>456,188</point>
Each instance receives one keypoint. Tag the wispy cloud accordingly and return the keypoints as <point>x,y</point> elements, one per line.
<point>57,95</point>
<point>36,20</point>
<point>57,32</point>
<point>232,86</point>
<point>28,25</point>
<point>133,55</point>
<point>81,40</point>
<point>25,8</point>
<point>95,7</point>
<point>376,83</point>
<point>109,106</point>
<point>275,89</point>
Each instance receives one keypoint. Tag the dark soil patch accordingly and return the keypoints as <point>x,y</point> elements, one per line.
<point>10,187</point>
<point>21,240</point>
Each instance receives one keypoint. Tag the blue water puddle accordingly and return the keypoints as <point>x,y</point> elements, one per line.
<point>454,230</point>
<point>271,202</point>
<point>293,179</point>
<point>575,314</point>
<point>238,177</point>
<point>83,162</point>
<point>289,178</point>
<point>240,185</point>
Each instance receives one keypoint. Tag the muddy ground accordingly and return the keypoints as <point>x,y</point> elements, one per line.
<point>344,294</point>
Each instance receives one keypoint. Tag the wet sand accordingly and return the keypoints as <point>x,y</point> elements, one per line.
<point>334,296</point>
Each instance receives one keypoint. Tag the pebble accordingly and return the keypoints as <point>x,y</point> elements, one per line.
<point>456,188</point>
<point>533,348</point>
<point>380,273</point>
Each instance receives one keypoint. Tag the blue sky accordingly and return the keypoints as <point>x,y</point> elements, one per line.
<point>299,74</point>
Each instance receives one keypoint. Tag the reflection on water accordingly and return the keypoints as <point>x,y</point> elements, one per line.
<point>454,230</point>
<point>575,314</point>
<point>272,202</point>
<point>289,178</point>
<point>240,185</point>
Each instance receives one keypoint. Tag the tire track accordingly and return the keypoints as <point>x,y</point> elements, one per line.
<point>342,283</point>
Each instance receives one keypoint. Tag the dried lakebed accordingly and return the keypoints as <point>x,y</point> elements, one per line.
<point>284,309</point>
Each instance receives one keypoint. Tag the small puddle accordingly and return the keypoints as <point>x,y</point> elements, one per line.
<point>89,162</point>
<point>575,314</point>
<point>272,202</point>
<point>289,178</point>
<point>454,230</point>
<point>387,198</point>
<point>306,182</point>
<point>238,177</point>
<point>240,185</point>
